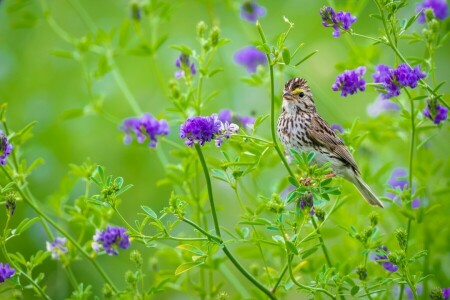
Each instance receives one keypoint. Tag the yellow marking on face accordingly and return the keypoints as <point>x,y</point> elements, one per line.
<point>297,91</point>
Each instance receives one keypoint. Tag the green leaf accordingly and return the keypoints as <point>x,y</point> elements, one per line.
<point>159,42</point>
<point>306,57</point>
<point>191,248</point>
<point>119,181</point>
<point>411,20</point>
<point>24,225</point>
<point>291,247</point>
<point>21,136</point>
<point>101,173</point>
<point>62,54</point>
<point>293,181</point>
<point>72,113</point>
<point>259,120</point>
<point>187,266</point>
<point>214,72</point>
<point>182,49</point>
<point>354,290</point>
<point>264,48</point>
<point>309,251</point>
<point>286,56</point>
<point>149,212</point>
<point>311,156</point>
<point>124,189</point>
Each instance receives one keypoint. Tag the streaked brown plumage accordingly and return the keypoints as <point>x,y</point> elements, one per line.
<point>300,127</point>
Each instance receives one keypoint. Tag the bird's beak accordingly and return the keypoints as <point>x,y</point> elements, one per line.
<point>287,96</point>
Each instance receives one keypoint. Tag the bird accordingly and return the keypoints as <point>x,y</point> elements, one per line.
<point>301,128</point>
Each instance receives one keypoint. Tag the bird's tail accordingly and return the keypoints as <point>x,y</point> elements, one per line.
<point>365,191</point>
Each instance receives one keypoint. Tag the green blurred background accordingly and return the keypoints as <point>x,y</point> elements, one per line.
<point>40,86</point>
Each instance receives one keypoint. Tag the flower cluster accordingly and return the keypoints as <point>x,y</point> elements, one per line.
<point>57,247</point>
<point>5,148</point>
<point>185,66</point>
<point>337,20</point>
<point>435,112</point>
<point>382,255</point>
<point>6,272</point>
<point>251,11</point>
<point>398,181</point>
<point>110,240</point>
<point>394,79</point>
<point>439,8</point>
<point>204,129</point>
<point>250,57</point>
<point>306,202</point>
<point>350,82</point>
<point>143,127</point>
<point>226,115</point>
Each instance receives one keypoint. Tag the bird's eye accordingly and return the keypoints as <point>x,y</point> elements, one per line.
<point>301,94</point>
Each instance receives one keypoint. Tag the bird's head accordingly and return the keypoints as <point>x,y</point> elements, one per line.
<point>297,96</point>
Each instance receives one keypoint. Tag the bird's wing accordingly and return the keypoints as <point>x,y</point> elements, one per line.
<point>320,133</point>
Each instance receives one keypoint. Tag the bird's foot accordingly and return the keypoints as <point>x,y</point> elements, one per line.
<point>332,174</point>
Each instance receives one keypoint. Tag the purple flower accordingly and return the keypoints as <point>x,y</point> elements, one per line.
<point>225,115</point>
<point>437,113</point>
<point>398,180</point>
<point>250,57</point>
<point>110,240</point>
<point>350,82</point>
<point>381,254</point>
<point>341,20</point>
<point>307,203</point>
<point>204,129</point>
<point>143,127</point>
<point>6,272</point>
<point>251,11</point>
<point>394,79</point>
<point>246,121</point>
<point>337,127</point>
<point>446,293</point>
<point>185,66</point>
<point>439,8</point>
<point>381,105</point>
<point>57,247</point>
<point>5,148</point>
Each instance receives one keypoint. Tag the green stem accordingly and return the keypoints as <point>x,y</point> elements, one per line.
<point>217,228</point>
<point>209,187</point>
<point>272,104</point>
<point>322,244</point>
<point>123,86</point>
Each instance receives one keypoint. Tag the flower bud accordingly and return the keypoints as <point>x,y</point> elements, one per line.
<point>402,238</point>
<point>275,205</point>
<point>320,214</point>
<point>130,278</point>
<point>436,294</point>
<point>107,291</point>
<point>373,217</point>
<point>10,203</point>
<point>214,36</point>
<point>136,257</point>
<point>201,29</point>
<point>362,273</point>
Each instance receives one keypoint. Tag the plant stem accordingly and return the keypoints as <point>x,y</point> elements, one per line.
<point>217,229</point>
<point>322,244</point>
<point>123,86</point>
<point>272,104</point>
<point>209,187</point>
